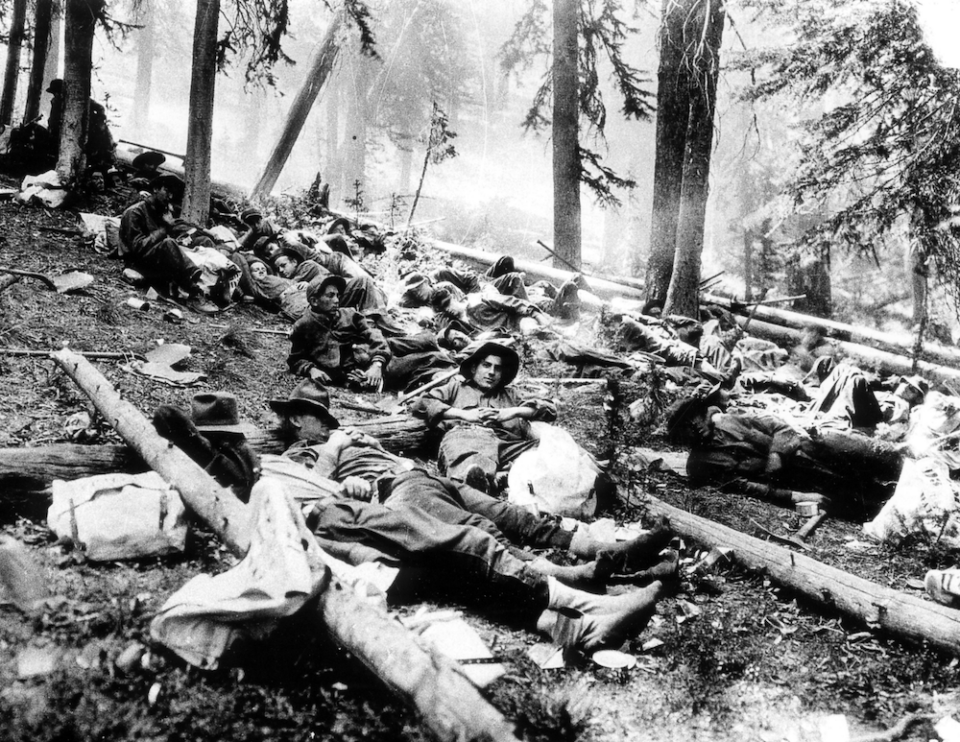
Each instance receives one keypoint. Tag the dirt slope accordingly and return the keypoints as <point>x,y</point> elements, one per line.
<point>748,661</point>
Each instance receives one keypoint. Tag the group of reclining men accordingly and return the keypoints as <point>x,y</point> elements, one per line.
<point>448,540</point>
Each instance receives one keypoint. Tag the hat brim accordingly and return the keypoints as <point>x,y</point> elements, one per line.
<point>287,406</point>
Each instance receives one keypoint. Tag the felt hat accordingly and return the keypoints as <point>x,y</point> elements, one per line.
<point>501,267</point>
<point>169,181</point>
<point>307,396</point>
<point>291,252</point>
<point>684,410</point>
<point>148,159</point>
<point>55,86</point>
<point>216,412</point>
<point>319,284</point>
<point>511,361</point>
<point>249,213</point>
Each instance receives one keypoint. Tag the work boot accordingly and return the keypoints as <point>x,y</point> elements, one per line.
<point>581,576</point>
<point>584,622</point>
<point>476,477</point>
<point>625,556</point>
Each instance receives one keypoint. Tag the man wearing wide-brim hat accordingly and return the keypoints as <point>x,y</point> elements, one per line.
<point>485,425</point>
<point>322,341</point>
<point>214,437</point>
<point>349,483</point>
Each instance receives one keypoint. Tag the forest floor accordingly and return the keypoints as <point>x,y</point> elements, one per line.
<point>739,657</point>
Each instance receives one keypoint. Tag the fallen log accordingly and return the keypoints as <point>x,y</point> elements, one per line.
<point>212,503</point>
<point>933,352</point>
<point>898,613</point>
<point>449,704</point>
<point>882,361</point>
<point>35,467</point>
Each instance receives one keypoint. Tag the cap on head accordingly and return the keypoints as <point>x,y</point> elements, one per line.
<point>511,361</point>
<point>216,412</point>
<point>307,397</point>
<point>249,214</point>
<point>55,86</point>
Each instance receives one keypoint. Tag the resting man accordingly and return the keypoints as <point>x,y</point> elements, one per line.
<point>322,340</point>
<point>728,448</point>
<point>485,426</point>
<point>146,244</point>
<point>437,560</point>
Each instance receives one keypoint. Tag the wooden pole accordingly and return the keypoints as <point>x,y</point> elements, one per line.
<point>939,354</point>
<point>899,613</point>
<point>886,362</point>
<point>214,504</point>
<point>321,68</point>
<point>451,707</point>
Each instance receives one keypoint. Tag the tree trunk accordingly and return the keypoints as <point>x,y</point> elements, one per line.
<point>673,113</point>
<point>41,44</point>
<point>898,613</point>
<point>566,139</point>
<point>203,79</point>
<point>323,61</point>
<point>11,76</point>
<point>332,170</point>
<point>80,23</point>
<point>355,134</point>
<point>51,68</point>
<point>146,51</point>
<point>683,295</point>
<point>748,237</point>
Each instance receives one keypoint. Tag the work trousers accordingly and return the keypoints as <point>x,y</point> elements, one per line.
<point>437,560</point>
<point>459,504</point>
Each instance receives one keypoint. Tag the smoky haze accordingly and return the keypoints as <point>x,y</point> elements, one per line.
<point>495,194</point>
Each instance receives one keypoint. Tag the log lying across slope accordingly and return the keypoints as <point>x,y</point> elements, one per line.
<point>933,352</point>
<point>888,363</point>
<point>35,467</point>
<point>449,704</point>
<point>900,614</point>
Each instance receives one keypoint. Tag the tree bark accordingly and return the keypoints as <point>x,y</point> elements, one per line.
<point>332,168</point>
<point>11,77</point>
<point>80,23</point>
<point>51,69</point>
<point>320,69</point>
<point>203,79</point>
<point>566,135</point>
<point>449,704</point>
<point>898,613</point>
<point>673,113</point>
<point>683,294</point>
<point>42,25</point>
<point>146,51</point>
<point>35,467</point>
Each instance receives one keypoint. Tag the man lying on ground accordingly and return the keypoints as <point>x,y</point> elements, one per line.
<point>484,424</point>
<point>368,473</point>
<point>730,448</point>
